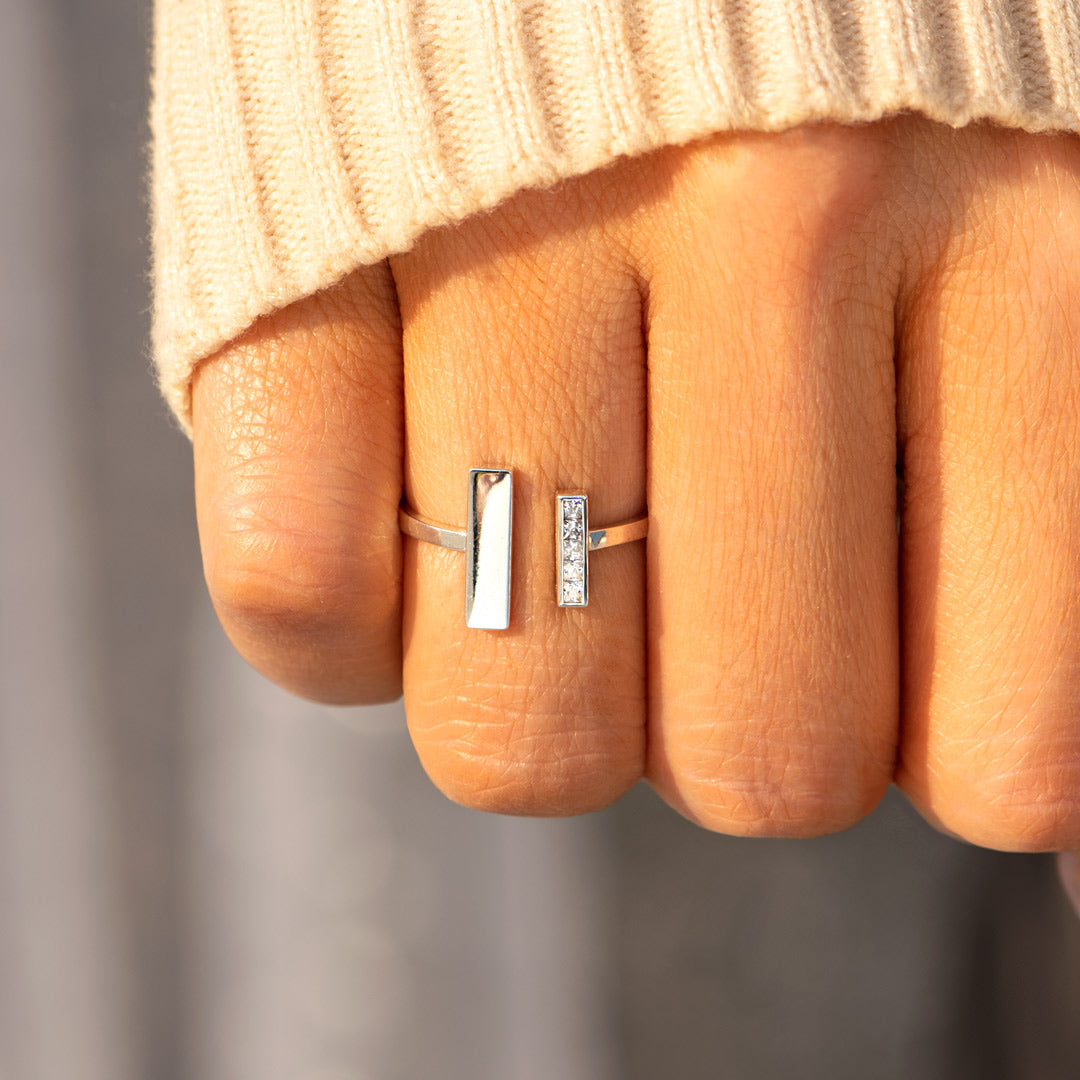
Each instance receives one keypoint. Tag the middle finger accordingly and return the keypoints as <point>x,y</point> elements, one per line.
<point>525,353</point>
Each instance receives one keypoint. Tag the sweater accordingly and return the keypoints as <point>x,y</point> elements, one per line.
<point>296,140</point>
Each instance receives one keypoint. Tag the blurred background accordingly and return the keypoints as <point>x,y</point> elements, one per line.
<point>204,879</point>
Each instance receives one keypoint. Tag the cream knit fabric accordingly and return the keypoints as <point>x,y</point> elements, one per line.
<point>295,140</point>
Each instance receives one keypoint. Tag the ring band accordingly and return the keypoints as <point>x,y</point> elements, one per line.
<point>486,544</point>
<point>431,532</point>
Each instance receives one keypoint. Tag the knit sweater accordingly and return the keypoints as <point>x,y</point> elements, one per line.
<point>295,140</point>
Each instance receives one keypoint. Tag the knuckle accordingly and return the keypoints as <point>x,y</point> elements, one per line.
<point>537,765</point>
<point>278,582</point>
<point>778,790</point>
<point>525,788</point>
<point>320,622</point>
<point>1000,765</point>
<point>1024,810</point>
<point>846,171</point>
<point>792,810</point>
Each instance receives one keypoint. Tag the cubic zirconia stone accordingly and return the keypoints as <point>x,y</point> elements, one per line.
<point>573,549</point>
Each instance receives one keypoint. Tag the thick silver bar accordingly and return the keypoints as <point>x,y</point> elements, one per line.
<point>487,549</point>
<point>572,549</point>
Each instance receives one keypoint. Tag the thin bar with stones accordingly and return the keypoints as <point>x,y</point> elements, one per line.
<point>572,545</point>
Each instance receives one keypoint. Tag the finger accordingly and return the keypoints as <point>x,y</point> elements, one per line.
<point>772,545</point>
<point>523,350</point>
<point>297,479</point>
<point>990,404</point>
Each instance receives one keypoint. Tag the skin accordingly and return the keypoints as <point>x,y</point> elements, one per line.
<point>744,335</point>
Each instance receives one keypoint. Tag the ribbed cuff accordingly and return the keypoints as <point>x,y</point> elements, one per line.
<point>295,140</point>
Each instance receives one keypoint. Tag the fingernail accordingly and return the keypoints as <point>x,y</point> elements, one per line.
<point>1069,868</point>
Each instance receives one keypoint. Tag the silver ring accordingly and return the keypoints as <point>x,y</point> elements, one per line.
<point>486,541</point>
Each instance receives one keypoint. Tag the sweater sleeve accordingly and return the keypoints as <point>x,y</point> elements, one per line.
<point>295,140</point>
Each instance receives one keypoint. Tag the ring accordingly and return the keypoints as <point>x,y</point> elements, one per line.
<point>486,538</point>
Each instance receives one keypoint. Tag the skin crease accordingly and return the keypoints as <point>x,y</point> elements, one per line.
<point>741,334</point>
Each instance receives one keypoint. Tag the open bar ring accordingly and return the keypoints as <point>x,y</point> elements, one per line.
<point>486,542</point>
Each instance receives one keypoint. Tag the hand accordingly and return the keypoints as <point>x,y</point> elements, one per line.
<point>742,335</point>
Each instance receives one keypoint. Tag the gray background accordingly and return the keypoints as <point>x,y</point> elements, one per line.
<point>201,878</point>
